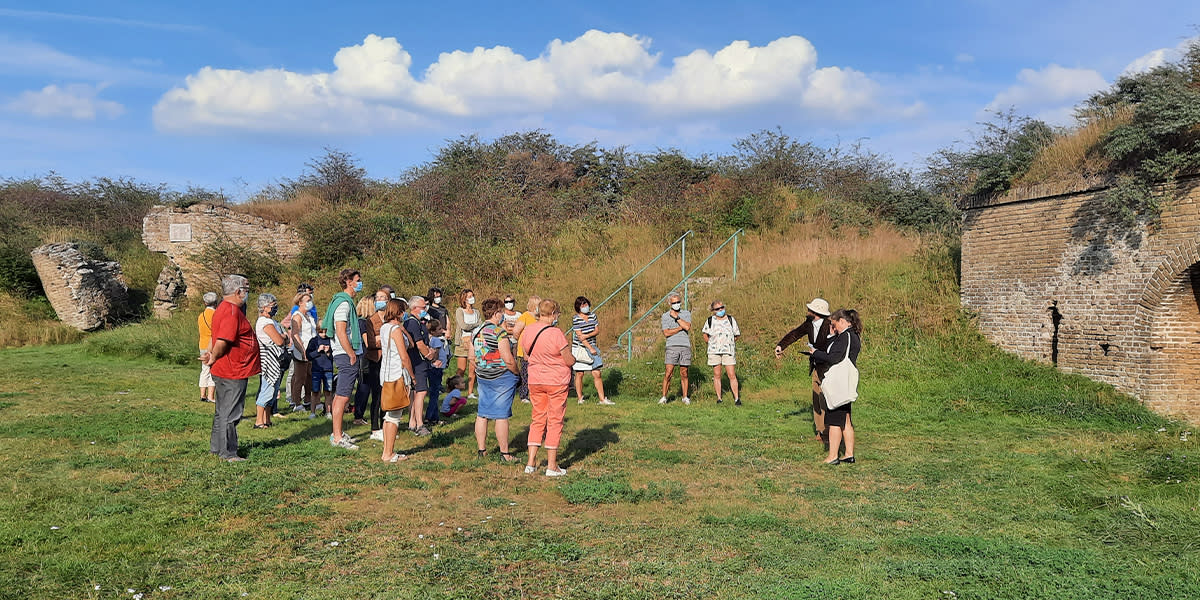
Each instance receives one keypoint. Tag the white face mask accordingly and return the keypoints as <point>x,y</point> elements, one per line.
<point>585,309</point>
<point>471,301</point>
<point>437,300</point>
<point>509,305</point>
<point>676,305</point>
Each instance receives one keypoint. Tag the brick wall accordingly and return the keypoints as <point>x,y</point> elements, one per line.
<point>1127,309</point>
<point>181,233</point>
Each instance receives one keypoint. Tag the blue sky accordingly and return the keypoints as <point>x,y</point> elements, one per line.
<point>233,95</point>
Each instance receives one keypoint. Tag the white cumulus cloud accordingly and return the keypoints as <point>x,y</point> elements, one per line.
<point>1158,58</point>
<point>1049,93</point>
<point>75,101</point>
<point>606,74</point>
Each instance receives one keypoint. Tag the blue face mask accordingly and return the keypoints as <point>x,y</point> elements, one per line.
<point>721,313</point>
<point>424,314</point>
<point>380,304</point>
<point>358,286</point>
<point>274,309</point>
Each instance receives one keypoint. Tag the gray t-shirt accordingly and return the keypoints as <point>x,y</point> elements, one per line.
<point>681,338</point>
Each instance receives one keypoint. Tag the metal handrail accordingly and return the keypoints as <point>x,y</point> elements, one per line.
<point>628,333</point>
<point>629,282</point>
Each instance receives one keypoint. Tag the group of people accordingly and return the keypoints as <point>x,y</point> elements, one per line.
<point>385,358</point>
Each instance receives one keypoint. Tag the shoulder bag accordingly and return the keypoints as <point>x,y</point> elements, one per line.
<point>840,385</point>
<point>394,395</point>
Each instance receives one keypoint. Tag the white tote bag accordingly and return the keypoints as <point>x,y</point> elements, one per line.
<point>840,385</point>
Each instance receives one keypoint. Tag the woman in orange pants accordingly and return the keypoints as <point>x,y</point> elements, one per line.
<point>550,361</point>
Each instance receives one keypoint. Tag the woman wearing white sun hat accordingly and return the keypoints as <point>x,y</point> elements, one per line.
<point>816,328</point>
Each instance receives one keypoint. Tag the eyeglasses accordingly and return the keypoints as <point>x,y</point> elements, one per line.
<point>716,308</point>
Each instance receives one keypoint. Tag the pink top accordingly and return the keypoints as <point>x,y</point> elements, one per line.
<point>546,366</point>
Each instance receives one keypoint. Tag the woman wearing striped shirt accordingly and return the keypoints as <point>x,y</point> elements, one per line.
<point>584,329</point>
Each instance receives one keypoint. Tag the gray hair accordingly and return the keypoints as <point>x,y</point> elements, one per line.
<point>413,300</point>
<point>210,298</point>
<point>230,284</point>
<point>674,296</point>
<point>265,300</point>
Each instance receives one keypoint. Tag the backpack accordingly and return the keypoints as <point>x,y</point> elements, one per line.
<point>732,322</point>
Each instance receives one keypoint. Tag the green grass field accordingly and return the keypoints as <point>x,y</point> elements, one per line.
<point>978,476</point>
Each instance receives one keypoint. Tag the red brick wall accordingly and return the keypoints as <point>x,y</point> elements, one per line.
<point>1023,255</point>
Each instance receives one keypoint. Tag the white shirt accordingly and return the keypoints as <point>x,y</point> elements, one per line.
<point>342,314</point>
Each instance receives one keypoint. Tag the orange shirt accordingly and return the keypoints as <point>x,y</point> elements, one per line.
<point>204,324</point>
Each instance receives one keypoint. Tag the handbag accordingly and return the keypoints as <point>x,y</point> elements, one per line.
<point>394,395</point>
<point>580,352</point>
<point>840,384</point>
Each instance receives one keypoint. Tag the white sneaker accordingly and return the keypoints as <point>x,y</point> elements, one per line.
<point>329,416</point>
<point>607,402</point>
<point>377,435</point>
<point>530,469</point>
<point>582,400</point>
<point>342,443</point>
<point>346,438</point>
<point>312,416</point>
<point>473,397</point>
<point>686,402</point>
<point>320,407</point>
<point>662,400</point>
<point>558,473</point>
<point>298,408</point>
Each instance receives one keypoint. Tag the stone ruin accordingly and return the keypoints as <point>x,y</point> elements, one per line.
<point>182,233</point>
<point>1051,282</point>
<point>168,292</point>
<point>87,294</point>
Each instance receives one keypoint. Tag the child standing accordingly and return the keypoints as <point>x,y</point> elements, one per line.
<point>454,400</point>
<point>437,369</point>
<point>320,356</point>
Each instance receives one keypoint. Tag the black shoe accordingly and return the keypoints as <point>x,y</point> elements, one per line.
<point>719,400</point>
<point>848,459</point>
<point>737,401</point>
<point>835,461</point>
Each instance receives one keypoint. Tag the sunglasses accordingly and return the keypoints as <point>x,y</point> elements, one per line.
<point>715,309</point>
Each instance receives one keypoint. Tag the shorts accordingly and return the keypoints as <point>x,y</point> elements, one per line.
<point>322,381</point>
<point>394,417</point>
<point>460,349</point>
<point>496,395</point>
<point>597,364</point>
<point>679,355</point>
<point>716,360</point>
<point>420,379</point>
<point>347,375</point>
<point>206,380</point>
<point>836,417</point>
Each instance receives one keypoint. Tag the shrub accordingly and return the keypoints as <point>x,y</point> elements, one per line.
<point>224,256</point>
<point>17,274</point>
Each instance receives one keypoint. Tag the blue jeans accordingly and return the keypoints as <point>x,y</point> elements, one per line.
<point>268,394</point>
<point>433,402</point>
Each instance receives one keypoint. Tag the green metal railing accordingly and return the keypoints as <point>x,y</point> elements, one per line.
<point>628,334</point>
<point>681,241</point>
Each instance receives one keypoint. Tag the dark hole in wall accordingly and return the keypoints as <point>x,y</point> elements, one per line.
<point>1055,318</point>
<point>1105,348</point>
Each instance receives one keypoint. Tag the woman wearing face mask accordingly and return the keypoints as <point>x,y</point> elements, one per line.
<point>466,322</point>
<point>437,309</point>
<point>370,389</point>
<point>584,329</point>
<point>549,364</point>
<point>271,348</point>
<point>846,344</point>
<point>303,328</point>
<point>510,315</point>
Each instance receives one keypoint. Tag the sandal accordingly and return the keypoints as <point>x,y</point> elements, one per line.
<point>261,426</point>
<point>396,457</point>
<point>507,457</point>
<point>482,453</point>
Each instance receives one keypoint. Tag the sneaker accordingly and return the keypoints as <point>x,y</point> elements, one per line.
<point>346,437</point>
<point>203,399</point>
<point>719,400</point>
<point>298,408</point>
<point>737,402</point>
<point>686,402</point>
<point>278,416</point>
<point>329,416</point>
<point>312,416</point>
<point>607,402</point>
<point>358,422</point>
<point>473,397</point>
<point>524,400</point>
<point>422,431</point>
<point>235,459</point>
<point>662,400</point>
<point>558,473</point>
<point>582,400</point>
<point>343,443</point>
<point>377,435</point>
<point>320,407</point>
<point>530,469</point>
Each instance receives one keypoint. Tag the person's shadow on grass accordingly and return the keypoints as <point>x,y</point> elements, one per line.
<point>588,442</point>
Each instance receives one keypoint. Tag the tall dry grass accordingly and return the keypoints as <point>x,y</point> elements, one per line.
<point>1075,160</point>
<point>18,328</point>
<point>291,211</point>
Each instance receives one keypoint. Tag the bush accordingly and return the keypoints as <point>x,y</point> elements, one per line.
<point>224,256</point>
<point>17,274</point>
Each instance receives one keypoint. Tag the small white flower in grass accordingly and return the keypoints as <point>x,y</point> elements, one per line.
<point>138,596</point>
<point>97,588</point>
<point>131,590</point>
<point>442,524</point>
<point>164,588</point>
<point>93,443</point>
<point>436,556</point>
<point>333,543</point>
<point>1162,429</point>
<point>54,528</point>
<point>460,528</point>
<point>431,545</point>
<point>244,594</point>
<point>512,503</point>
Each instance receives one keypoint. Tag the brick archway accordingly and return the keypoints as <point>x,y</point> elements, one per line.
<point>1168,320</point>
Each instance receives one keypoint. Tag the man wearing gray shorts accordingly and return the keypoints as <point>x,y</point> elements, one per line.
<point>676,327</point>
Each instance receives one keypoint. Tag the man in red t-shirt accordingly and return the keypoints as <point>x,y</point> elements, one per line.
<point>233,360</point>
